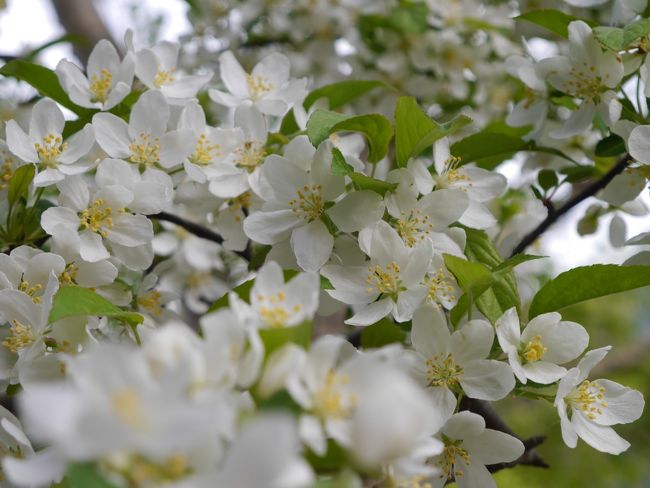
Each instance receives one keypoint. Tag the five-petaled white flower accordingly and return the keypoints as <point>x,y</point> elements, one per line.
<point>107,81</point>
<point>268,86</point>
<point>588,409</point>
<point>546,342</point>
<point>44,145</point>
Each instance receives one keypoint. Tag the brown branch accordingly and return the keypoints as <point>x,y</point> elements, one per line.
<point>80,17</point>
<point>555,214</point>
<point>530,457</point>
<point>196,229</point>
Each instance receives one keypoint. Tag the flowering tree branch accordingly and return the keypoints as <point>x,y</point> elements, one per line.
<point>554,214</point>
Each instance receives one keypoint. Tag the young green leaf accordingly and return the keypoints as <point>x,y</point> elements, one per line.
<point>72,301</point>
<point>553,20</point>
<point>587,282</point>
<point>19,183</point>
<point>415,131</point>
<point>43,80</point>
<point>363,182</point>
<point>342,92</point>
<point>382,333</point>
<point>340,166</point>
<point>375,127</point>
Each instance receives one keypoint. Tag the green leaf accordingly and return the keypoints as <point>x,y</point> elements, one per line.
<point>578,173</point>
<point>488,148</point>
<point>382,333</point>
<point>335,457</point>
<point>502,295</point>
<point>72,301</point>
<point>553,20</point>
<point>85,475</point>
<point>363,182</point>
<point>618,39</point>
<point>415,131</point>
<point>610,37</point>
<point>342,92</point>
<point>610,146</point>
<point>547,179</point>
<point>470,275</point>
<point>19,183</point>
<point>340,166</point>
<point>375,127</point>
<point>277,337</point>
<point>585,283</point>
<point>43,80</point>
<point>515,260</point>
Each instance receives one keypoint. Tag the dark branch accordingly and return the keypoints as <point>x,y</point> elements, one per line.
<point>530,457</point>
<point>196,229</point>
<point>555,214</point>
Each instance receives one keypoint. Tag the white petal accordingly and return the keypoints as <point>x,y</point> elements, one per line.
<point>270,227</point>
<point>92,247</point>
<point>493,447</point>
<point>429,333</point>
<point>371,313</point>
<point>357,210</point>
<point>600,437</point>
<point>19,142</point>
<point>112,135</point>
<point>312,244</point>
<point>487,379</point>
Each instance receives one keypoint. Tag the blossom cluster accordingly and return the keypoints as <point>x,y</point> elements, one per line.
<point>156,354</point>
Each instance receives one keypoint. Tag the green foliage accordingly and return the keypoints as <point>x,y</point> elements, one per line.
<point>340,166</point>
<point>361,182</point>
<point>587,282</point>
<point>611,145</point>
<point>19,183</point>
<point>553,20</point>
<point>43,80</point>
<point>493,295</point>
<point>415,131</point>
<point>274,338</point>
<point>84,475</point>
<point>343,92</point>
<point>491,147</point>
<point>73,301</point>
<point>375,127</point>
<point>380,334</point>
<point>547,179</point>
<point>618,39</point>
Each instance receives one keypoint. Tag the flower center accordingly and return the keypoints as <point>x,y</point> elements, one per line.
<point>100,85</point>
<point>30,290</point>
<point>443,371</point>
<point>309,202</point>
<point>204,151</point>
<point>439,288</point>
<point>51,148</point>
<point>97,218</point>
<point>69,275</point>
<point>447,460</point>
<point>151,301</point>
<point>20,337</point>
<point>331,401</point>
<point>145,149</point>
<point>414,228</point>
<point>249,155</point>
<point>583,84</point>
<point>127,405</point>
<point>588,398</point>
<point>163,76</point>
<point>273,313</point>
<point>6,172</point>
<point>534,350</point>
<point>258,86</point>
<point>384,280</point>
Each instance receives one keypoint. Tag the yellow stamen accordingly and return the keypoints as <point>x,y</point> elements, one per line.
<point>101,85</point>
<point>258,86</point>
<point>20,337</point>
<point>534,350</point>
<point>51,148</point>
<point>443,371</point>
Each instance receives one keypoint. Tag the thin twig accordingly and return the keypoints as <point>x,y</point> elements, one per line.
<point>555,214</point>
<point>196,229</point>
